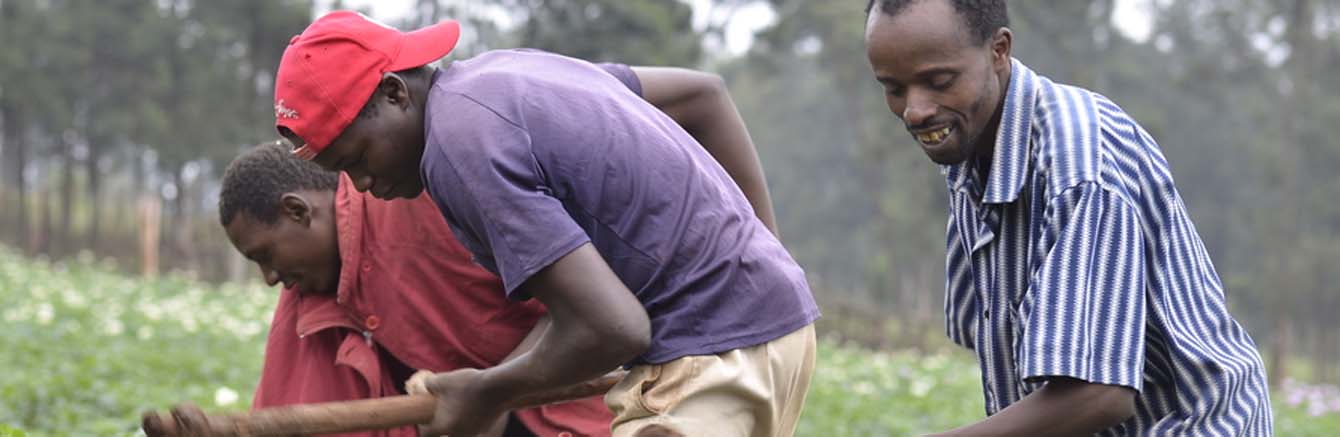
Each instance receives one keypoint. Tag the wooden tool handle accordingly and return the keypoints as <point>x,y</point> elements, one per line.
<point>339,417</point>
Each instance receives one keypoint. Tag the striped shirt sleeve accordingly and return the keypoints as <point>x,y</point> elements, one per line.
<point>1083,316</point>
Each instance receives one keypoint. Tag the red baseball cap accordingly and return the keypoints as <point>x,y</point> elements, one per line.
<point>330,71</point>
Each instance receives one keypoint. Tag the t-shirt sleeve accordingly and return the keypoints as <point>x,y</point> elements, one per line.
<point>1083,316</point>
<point>625,74</point>
<point>480,169</point>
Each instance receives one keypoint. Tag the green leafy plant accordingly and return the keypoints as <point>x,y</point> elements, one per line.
<point>86,351</point>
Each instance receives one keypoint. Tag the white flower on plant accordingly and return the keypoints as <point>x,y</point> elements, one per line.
<point>45,313</point>
<point>250,328</point>
<point>921,387</point>
<point>934,362</point>
<point>224,396</point>
<point>114,327</point>
<point>74,298</point>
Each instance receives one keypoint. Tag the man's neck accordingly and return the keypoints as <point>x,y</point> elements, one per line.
<point>420,86</point>
<point>985,151</point>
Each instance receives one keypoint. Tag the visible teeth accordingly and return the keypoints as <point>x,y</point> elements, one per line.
<point>934,137</point>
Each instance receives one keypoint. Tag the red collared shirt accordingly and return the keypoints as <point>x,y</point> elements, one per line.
<point>409,290</point>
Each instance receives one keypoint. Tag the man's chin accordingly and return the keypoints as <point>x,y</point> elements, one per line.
<point>410,192</point>
<point>944,154</point>
<point>313,291</point>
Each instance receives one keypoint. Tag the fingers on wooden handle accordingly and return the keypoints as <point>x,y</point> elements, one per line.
<point>418,383</point>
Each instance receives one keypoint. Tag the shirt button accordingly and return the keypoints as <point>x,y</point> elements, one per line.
<point>986,314</point>
<point>372,322</point>
<point>367,267</point>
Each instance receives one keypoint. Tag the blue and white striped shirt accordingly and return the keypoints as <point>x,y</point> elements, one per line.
<point>1077,258</point>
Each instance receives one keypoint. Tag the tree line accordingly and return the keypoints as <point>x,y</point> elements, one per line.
<point>109,106</point>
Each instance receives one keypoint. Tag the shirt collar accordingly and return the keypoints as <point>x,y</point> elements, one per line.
<point>1009,161</point>
<point>349,206</point>
<point>319,312</point>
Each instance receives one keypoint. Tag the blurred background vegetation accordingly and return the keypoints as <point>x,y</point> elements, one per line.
<point>117,117</point>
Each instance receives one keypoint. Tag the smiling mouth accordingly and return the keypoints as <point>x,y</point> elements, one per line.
<point>291,282</point>
<point>934,137</point>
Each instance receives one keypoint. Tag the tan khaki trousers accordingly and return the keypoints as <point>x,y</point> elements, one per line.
<point>757,391</point>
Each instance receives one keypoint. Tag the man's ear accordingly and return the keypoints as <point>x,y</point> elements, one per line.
<point>294,207</point>
<point>396,90</point>
<point>1001,44</point>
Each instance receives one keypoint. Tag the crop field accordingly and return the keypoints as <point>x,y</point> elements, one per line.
<point>84,351</point>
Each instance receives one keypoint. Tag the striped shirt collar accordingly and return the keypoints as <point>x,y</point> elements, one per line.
<point>1009,161</point>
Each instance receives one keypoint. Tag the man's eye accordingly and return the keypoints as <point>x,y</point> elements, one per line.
<point>943,83</point>
<point>896,91</point>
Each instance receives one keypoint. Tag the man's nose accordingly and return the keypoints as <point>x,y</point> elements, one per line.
<point>919,109</point>
<point>271,276</point>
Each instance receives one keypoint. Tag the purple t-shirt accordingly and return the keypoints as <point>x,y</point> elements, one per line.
<point>530,155</point>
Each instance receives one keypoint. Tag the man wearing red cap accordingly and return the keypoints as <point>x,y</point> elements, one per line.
<point>561,179</point>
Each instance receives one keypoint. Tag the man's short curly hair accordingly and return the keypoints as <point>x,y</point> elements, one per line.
<point>254,181</point>
<point>983,17</point>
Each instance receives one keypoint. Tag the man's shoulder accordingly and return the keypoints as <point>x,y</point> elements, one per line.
<point>507,66</point>
<point>471,97</point>
<point>1080,111</point>
<point>1080,136</point>
<point>1061,106</point>
<point>503,82</point>
<point>1074,129</point>
<point>1065,134</point>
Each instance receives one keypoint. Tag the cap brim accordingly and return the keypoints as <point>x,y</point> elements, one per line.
<point>305,153</point>
<point>423,46</point>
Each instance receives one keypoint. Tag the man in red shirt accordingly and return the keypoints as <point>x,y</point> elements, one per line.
<point>373,290</point>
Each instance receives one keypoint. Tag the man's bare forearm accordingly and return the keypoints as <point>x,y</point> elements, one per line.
<point>532,338</point>
<point>596,325</point>
<point>1063,407</point>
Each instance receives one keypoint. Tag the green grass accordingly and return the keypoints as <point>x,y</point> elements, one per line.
<point>85,351</point>
<point>862,393</point>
